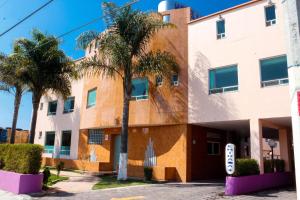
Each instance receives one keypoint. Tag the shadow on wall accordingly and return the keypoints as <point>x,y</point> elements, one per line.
<point>202,106</point>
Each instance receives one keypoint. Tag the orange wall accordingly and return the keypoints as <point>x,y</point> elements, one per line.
<point>166,104</point>
<point>169,146</point>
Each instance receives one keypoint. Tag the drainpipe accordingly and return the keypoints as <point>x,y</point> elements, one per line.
<point>292,20</point>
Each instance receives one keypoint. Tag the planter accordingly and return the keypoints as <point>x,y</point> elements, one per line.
<point>247,184</point>
<point>20,183</point>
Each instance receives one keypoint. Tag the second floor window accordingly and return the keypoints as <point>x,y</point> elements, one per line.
<point>223,79</point>
<point>140,89</point>
<point>69,105</point>
<point>221,29</point>
<point>175,80</point>
<point>91,98</point>
<point>270,15</point>
<point>52,107</point>
<point>158,80</point>
<point>274,71</point>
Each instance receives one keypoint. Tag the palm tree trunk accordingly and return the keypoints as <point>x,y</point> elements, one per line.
<point>35,104</point>
<point>18,97</point>
<point>122,172</point>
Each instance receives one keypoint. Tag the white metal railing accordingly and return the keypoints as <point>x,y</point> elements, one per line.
<point>139,98</point>
<point>65,152</point>
<point>223,89</point>
<point>282,81</point>
<point>271,22</point>
<point>221,35</point>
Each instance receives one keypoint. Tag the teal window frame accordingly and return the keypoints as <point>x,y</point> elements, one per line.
<point>271,77</point>
<point>270,15</point>
<point>65,148</point>
<point>221,29</point>
<point>141,93</point>
<point>49,108</point>
<point>69,104</point>
<point>93,103</point>
<point>95,136</point>
<point>214,76</point>
<point>49,146</point>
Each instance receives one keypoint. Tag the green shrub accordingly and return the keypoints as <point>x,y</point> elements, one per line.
<point>47,174</point>
<point>279,165</point>
<point>148,173</point>
<point>21,158</point>
<point>60,166</point>
<point>246,167</point>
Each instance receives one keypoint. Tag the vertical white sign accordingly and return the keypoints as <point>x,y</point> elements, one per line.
<point>230,158</point>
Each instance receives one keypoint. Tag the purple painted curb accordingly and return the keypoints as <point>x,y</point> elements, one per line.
<point>20,183</point>
<point>247,184</point>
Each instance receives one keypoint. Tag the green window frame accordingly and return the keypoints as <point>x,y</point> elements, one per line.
<point>223,79</point>
<point>274,71</point>
<point>49,142</point>
<point>52,108</point>
<point>91,97</point>
<point>69,105</point>
<point>220,29</point>
<point>66,139</point>
<point>270,15</point>
<point>140,89</point>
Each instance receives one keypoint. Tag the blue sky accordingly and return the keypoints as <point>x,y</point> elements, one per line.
<point>59,17</point>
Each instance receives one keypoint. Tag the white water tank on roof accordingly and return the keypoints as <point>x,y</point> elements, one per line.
<point>166,5</point>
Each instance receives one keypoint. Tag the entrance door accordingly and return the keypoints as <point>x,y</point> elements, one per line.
<point>117,151</point>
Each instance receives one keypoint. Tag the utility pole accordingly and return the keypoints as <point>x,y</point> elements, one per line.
<point>292,20</point>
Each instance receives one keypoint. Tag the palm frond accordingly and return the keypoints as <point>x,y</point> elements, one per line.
<point>85,38</point>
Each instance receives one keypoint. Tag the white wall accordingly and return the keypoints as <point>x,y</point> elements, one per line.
<point>247,41</point>
<point>61,122</point>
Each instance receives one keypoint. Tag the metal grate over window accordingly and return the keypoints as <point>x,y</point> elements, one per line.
<point>96,136</point>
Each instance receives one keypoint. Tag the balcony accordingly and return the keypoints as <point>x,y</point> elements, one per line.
<point>283,81</point>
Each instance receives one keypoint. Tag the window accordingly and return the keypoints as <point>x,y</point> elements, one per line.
<point>65,143</point>
<point>49,142</point>
<point>96,136</point>
<point>166,18</point>
<point>52,108</point>
<point>140,89</point>
<point>91,98</point>
<point>175,80</point>
<point>270,15</point>
<point>69,105</point>
<point>221,29</point>
<point>274,71</point>
<point>213,148</point>
<point>41,106</point>
<point>158,80</point>
<point>223,79</point>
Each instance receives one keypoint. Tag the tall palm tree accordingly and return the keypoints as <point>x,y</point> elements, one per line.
<point>11,82</point>
<point>123,52</point>
<point>48,69</point>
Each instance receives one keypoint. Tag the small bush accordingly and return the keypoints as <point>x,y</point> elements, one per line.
<point>60,166</point>
<point>246,167</point>
<point>279,165</point>
<point>47,174</point>
<point>21,158</point>
<point>148,171</point>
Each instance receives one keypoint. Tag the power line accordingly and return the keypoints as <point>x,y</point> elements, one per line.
<point>28,16</point>
<point>88,23</point>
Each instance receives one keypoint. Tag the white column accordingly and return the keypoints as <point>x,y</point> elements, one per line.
<point>256,142</point>
<point>292,19</point>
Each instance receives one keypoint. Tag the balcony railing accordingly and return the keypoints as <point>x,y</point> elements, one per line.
<point>48,149</point>
<point>223,89</point>
<point>283,81</point>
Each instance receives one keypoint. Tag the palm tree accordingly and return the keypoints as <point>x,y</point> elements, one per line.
<point>123,52</point>
<point>11,82</point>
<point>48,69</point>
